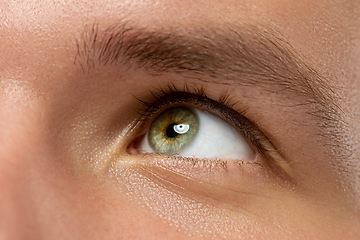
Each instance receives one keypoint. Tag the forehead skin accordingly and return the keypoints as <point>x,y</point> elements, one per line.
<point>37,45</point>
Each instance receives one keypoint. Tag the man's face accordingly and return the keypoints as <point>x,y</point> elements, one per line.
<point>180,119</point>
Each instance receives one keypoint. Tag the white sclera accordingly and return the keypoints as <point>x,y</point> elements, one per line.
<point>215,139</point>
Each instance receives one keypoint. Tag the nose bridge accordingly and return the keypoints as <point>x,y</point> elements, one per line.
<point>17,215</point>
<point>19,142</point>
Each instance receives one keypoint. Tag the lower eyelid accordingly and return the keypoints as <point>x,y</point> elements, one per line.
<point>204,178</point>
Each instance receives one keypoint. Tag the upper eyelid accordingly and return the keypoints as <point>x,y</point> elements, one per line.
<point>246,54</point>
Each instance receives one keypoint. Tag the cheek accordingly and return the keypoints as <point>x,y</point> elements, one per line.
<point>203,208</point>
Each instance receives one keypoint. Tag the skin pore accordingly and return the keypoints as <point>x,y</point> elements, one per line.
<point>70,165</point>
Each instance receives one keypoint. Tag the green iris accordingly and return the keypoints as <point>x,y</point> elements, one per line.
<point>173,130</point>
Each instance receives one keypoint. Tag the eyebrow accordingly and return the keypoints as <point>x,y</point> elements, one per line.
<point>245,54</point>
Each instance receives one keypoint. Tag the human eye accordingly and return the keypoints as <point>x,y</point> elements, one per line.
<point>188,126</point>
<point>190,132</point>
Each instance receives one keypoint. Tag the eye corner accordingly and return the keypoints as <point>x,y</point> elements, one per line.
<point>133,147</point>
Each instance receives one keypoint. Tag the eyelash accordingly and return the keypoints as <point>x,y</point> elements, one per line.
<point>162,98</point>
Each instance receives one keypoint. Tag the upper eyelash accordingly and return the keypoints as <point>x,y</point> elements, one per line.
<point>164,97</point>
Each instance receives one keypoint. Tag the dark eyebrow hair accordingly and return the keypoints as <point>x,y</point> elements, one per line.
<point>245,54</point>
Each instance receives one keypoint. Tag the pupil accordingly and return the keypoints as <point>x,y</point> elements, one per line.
<point>170,132</point>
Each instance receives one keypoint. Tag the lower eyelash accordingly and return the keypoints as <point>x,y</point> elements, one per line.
<point>212,163</point>
<point>207,165</point>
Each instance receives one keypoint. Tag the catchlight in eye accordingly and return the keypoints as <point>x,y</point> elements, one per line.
<point>173,130</point>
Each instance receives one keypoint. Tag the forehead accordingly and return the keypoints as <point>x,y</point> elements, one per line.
<point>322,30</point>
